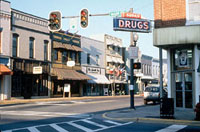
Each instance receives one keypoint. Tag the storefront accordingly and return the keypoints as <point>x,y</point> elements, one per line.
<point>183,53</point>
<point>5,78</point>
<point>98,85</point>
<point>67,77</point>
<point>31,78</point>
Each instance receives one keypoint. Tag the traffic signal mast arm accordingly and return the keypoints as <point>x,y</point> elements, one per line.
<point>106,14</point>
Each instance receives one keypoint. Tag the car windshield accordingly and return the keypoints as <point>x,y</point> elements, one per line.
<point>152,89</point>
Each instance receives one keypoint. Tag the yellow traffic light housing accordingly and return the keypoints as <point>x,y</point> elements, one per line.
<point>55,18</point>
<point>84,15</point>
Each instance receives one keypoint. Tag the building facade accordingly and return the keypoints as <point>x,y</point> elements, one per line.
<point>115,67</point>
<point>67,77</point>
<point>93,64</point>
<point>5,52</point>
<point>30,55</point>
<point>177,31</point>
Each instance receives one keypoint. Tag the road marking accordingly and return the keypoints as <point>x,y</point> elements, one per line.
<point>33,129</point>
<point>58,128</point>
<point>93,123</point>
<point>112,122</point>
<point>72,123</point>
<point>172,128</point>
<point>45,114</point>
<point>80,127</point>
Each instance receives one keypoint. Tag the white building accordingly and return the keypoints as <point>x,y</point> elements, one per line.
<point>93,64</point>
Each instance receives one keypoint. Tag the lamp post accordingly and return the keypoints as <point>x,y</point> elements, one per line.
<point>133,39</point>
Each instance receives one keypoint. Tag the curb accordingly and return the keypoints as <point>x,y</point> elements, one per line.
<point>25,101</point>
<point>153,120</point>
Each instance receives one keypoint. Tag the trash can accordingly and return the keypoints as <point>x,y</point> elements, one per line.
<point>167,108</point>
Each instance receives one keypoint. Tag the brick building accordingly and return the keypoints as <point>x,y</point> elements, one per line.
<point>177,29</point>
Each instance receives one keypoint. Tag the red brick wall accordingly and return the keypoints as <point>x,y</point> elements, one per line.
<point>169,13</point>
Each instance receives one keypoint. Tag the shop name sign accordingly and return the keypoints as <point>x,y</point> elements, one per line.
<point>37,70</point>
<point>93,70</point>
<point>132,25</point>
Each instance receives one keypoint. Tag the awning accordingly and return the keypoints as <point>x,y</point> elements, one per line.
<point>4,70</point>
<point>76,48</point>
<point>98,78</point>
<point>109,59</point>
<point>120,60</point>
<point>65,74</point>
<point>59,45</point>
<point>114,59</point>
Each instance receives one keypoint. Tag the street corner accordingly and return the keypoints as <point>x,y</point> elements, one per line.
<point>119,116</point>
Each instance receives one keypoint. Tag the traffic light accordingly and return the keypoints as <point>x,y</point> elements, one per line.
<point>137,65</point>
<point>55,21</point>
<point>84,18</point>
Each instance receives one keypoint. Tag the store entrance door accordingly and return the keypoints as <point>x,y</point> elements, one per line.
<point>183,88</point>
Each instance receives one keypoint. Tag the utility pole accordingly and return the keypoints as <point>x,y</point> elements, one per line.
<point>131,87</point>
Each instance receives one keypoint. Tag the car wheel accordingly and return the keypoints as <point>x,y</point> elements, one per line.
<point>145,102</point>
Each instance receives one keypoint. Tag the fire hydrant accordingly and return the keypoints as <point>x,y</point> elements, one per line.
<point>197,110</point>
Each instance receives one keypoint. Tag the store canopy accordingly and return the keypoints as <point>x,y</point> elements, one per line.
<point>114,59</point>
<point>109,59</point>
<point>59,45</point>
<point>65,74</point>
<point>4,70</point>
<point>99,79</point>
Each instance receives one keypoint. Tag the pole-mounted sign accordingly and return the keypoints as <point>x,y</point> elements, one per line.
<point>132,25</point>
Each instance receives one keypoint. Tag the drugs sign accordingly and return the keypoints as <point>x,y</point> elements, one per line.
<point>132,25</point>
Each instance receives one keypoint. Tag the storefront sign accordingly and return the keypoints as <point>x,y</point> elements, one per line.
<point>67,87</point>
<point>70,63</point>
<point>93,70</point>
<point>37,70</point>
<point>183,59</point>
<point>132,25</point>
<point>131,15</point>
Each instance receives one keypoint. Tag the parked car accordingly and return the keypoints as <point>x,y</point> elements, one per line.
<point>152,93</point>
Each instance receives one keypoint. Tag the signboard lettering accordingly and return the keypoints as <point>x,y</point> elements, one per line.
<point>131,15</point>
<point>37,70</point>
<point>132,25</point>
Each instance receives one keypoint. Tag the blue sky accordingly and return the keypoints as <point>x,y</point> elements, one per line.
<point>99,24</point>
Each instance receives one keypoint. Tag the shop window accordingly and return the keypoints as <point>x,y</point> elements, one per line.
<point>55,55</point>
<point>64,57</point>
<point>183,59</point>
<point>46,50</point>
<point>88,58</point>
<point>31,47</point>
<point>15,41</point>
<point>97,60</point>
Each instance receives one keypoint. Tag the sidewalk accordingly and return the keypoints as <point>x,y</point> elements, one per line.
<point>151,113</point>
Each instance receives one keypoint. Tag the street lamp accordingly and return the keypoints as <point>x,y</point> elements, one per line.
<point>134,39</point>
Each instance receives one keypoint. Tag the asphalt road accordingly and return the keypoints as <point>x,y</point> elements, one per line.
<point>77,116</point>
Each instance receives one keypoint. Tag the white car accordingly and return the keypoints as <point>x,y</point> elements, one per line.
<point>152,93</point>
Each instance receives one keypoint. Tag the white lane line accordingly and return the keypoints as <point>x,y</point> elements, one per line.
<point>33,129</point>
<point>112,122</point>
<point>7,131</point>
<point>58,128</point>
<point>112,126</point>
<point>172,128</point>
<point>47,114</point>
<point>80,127</point>
<point>93,123</point>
